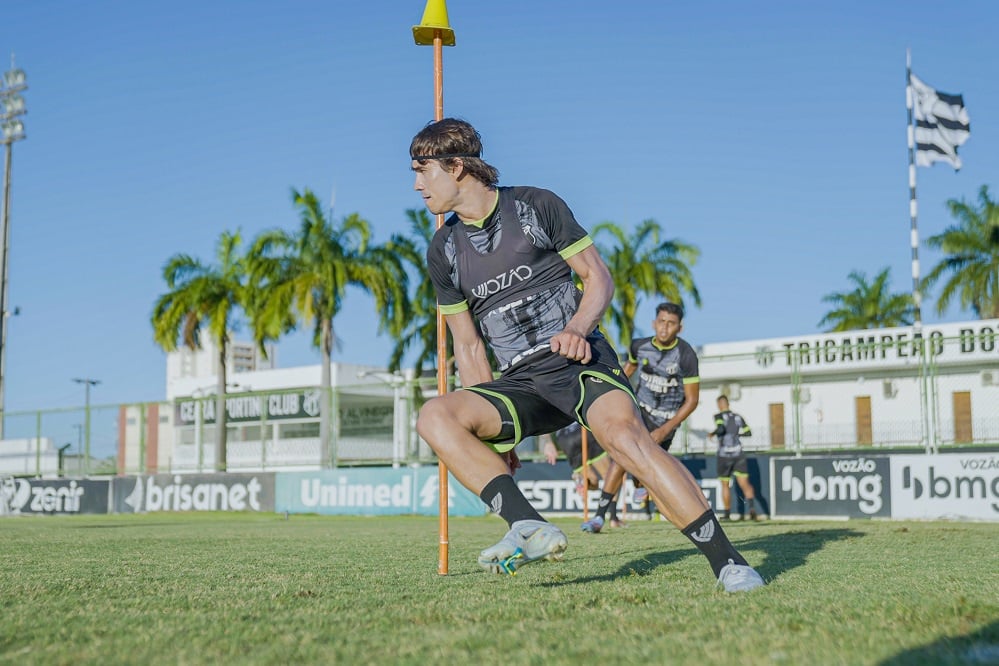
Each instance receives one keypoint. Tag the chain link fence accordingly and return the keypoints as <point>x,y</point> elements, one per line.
<point>858,393</point>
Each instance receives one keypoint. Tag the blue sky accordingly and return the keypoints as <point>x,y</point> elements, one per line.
<point>769,134</point>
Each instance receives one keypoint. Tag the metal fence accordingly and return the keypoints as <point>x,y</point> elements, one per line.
<point>858,395</point>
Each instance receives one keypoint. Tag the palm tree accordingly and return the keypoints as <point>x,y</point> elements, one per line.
<point>203,295</point>
<point>304,277</point>
<point>421,326</point>
<point>645,264</point>
<point>972,249</point>
<point>869,305</point>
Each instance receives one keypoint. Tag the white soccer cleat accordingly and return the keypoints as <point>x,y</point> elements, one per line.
<point>739,578</point>
<point>527,541</point>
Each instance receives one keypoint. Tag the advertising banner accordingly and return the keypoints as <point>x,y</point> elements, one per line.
<point>194,492</point>
<point>53,496</point>
<point>550,489</point>
<point>946,485</point>
<point>372,491</point>
<point>846,486</point>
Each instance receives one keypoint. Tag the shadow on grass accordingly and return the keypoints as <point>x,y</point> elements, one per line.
<point>783,552</point>
<point>981,647</point>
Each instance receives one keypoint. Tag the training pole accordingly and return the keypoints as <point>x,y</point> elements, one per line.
<point>435,30</point>
<point>586,474</point>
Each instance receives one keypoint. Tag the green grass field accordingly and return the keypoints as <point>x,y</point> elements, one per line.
<point>241,588</point>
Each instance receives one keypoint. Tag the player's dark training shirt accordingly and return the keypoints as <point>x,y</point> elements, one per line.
<point>729,427</point>
<point>662,373</point>
<point>510,271</point>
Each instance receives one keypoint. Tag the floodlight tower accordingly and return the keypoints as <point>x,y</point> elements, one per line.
<point>12,106</point>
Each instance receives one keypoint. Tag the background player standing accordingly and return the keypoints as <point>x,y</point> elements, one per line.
<point>729,429</point>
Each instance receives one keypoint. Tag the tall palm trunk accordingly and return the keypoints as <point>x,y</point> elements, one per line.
<point>325,405</point>
<point>221,462</point>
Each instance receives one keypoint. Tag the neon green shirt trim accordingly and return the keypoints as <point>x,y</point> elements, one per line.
<point>479,223</point>
<point>576,247</point>
<point>454,308</point>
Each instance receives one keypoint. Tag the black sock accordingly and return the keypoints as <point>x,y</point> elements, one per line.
<point>502,496</point>
<point>710,539</point>
<point>612,508</point>
<point>606,501</point>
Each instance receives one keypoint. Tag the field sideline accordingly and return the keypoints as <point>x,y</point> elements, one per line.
<point>250,588</point>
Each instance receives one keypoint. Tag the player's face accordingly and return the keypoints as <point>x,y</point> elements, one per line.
<point>437,185</point>
<point>667,327</point>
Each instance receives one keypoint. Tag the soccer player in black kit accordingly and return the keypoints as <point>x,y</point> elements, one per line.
<point>502,267</point>
<point>668,390</point>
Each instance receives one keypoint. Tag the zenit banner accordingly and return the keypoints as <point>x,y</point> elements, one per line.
<point>372,491</point>
<point>194,492</point>
<point>53,496</point>
<point>854,486</point>
<point>946,485</point>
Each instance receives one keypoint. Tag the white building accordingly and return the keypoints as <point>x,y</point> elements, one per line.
<point>241,356</point>
<point>885,387</point>
<point>867,388</point>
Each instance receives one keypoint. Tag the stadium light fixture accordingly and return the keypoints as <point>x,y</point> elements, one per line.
<point>11,129</point>
<point>87,382</point>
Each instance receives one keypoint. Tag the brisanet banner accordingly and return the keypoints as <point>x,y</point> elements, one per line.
<point>53,496</point>
<point>946,485</point>
<point>194,492</point>
<point>848,486</point>
<point>372,491</point>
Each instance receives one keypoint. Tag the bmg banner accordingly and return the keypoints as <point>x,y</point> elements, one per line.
<point>854,486</point>
<point>947,485</point>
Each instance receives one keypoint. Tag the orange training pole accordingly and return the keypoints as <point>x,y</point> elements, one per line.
<point>442,528</point>
<point>435,30</point>
<point>586,475</point>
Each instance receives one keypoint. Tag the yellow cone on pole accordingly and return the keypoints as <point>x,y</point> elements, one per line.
<point>434,20</point>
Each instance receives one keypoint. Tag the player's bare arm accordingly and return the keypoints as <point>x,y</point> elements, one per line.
<point>598,289</point>
<point>469,350</point>
<point>691,396</point>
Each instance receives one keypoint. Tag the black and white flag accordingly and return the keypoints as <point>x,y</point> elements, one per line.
<point>942,124</point>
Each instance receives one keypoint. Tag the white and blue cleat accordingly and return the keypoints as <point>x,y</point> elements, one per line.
<point>527,541</point>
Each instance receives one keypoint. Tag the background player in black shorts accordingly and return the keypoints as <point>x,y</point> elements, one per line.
<point>729,429</point>
<point>570,441</point>
<point>502,266</point>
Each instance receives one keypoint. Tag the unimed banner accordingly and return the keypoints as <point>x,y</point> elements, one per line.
<point>946,485</point>
<point>373,491</point>
<point>194,492</point>
<point>848,486</point>
<point>54,496</point>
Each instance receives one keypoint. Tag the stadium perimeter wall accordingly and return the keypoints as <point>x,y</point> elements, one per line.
<point>956,485</point>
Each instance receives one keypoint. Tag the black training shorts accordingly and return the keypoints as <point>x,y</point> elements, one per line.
<point>736,464</point>
<point>548,391</point>
<point>572,446</point>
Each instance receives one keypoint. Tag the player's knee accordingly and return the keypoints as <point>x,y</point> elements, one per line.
<point>433,415</point>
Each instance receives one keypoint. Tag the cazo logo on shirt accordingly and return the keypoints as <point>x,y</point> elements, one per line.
<point>503,280</point>
<point>842,485</point>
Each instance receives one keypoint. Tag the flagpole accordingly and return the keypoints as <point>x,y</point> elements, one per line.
<point>917,296</point>
<point>435,30</point>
